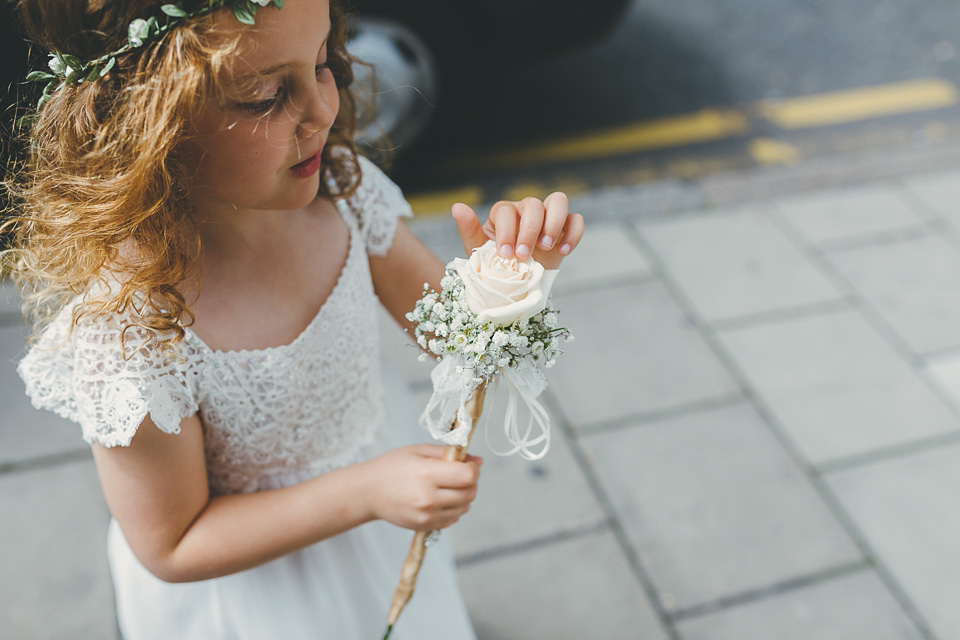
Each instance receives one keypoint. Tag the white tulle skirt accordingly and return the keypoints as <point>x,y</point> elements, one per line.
<point>338,589</point>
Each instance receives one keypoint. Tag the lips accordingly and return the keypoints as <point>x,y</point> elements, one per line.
<point>308,167</point>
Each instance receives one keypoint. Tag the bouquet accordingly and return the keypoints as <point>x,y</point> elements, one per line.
<point>491,320</point>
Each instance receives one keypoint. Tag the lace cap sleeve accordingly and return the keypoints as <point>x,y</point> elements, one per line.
<point>106,383</point>
<point>378,203</point>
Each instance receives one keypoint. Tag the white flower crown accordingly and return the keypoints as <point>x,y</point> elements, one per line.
<point>68,69</point>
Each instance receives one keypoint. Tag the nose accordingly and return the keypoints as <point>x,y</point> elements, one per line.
<point>319,110</point>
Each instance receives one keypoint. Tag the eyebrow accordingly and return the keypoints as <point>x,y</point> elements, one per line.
<point>284,65</point>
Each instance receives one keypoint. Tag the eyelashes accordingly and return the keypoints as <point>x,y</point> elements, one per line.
<point>263,107</point>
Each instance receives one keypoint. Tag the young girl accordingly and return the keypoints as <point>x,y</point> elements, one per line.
<point>203,251</point>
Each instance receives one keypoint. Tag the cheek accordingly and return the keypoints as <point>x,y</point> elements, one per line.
<point>238,151</point>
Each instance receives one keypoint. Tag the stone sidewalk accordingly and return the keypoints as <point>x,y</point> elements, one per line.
<point>757,430</point>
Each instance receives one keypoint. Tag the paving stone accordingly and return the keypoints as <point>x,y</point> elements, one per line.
<point>852,212</point>
<point>940,191</point>
<point>868,165</point>
<point>735,264</point>
<point>580,588</point>
<point>944,371</point>
<point>605,256</point>
<point>9,299</point>
<point>635,352</point>
<point>55,579</point>
<point>637,201</point>
<point>913,284</point>
<point>440,234</point>
<point>521,500</point>
<point>26,432</point>
<point>853,606</point>
<point>906,509</point>
<point>400,352</point>
<point>836,386</point>
<point>715,507</point>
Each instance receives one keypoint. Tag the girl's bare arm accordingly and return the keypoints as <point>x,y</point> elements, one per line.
<point>157,490</point>
<point>398,277</point>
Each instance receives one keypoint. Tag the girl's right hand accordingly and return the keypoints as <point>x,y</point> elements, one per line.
<point>413,487</point>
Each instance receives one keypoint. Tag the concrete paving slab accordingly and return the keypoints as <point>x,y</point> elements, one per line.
<point>715,507</point>
<point>736,264</point>
<point>439,233</point>
<point>863,166</point>
<point>940,191</point>
<point>836,387</point>
<point>906,508</point>
<point>637,201</point>
<point>55,579</point>
<point>401,352</point>
<point>944,372</point>
<point>853,606</point>
<point>521,500</point>
<point>580,588</point>
<point>635,352</point>
<point>9,299</point>
<point>913,284</point>
<point>605,256</point>
<point>26,432</point>
<point>854,212</point>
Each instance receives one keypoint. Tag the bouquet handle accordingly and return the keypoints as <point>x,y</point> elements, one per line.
<point>418,548</point>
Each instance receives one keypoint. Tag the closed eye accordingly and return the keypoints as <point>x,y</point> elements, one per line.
<point>263,106</point>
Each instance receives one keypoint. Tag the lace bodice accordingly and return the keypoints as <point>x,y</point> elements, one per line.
<point>310,405</point>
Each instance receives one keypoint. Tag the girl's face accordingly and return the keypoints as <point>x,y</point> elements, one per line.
<point>264,153</point>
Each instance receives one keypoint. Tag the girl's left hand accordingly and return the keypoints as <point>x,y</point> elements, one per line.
<point>546,229</point>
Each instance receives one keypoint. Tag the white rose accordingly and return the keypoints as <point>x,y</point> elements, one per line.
<point>57,66</point>
<point>502,290</point>
<point>138,31</point>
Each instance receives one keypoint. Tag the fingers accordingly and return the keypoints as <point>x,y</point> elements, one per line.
<point>572,233</point>
<point>447,474</point>
<point>544,229</point>
<point>532,214</point>
<point>557,209</point>
<point>468,224</point>
<point>502,223</point>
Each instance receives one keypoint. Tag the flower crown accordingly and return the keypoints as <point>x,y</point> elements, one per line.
<point>67,69</point>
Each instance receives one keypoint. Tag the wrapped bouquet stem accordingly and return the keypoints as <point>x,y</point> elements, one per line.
<point>491,320</point>
<point>418,548</point>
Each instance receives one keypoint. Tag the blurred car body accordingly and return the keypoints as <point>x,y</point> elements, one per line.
<point>418,49</point>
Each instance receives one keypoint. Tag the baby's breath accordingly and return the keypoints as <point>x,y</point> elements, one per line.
<point>446,326</point>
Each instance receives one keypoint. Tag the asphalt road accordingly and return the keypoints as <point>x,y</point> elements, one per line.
<point>669,58</point>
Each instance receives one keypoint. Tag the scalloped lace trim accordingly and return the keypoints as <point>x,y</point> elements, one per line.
<point>265,413</point>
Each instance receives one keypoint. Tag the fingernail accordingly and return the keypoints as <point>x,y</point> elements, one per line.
<point>547,242</point>
<point>523,251</point>
<point>565,249</point>
<point>506,251</point>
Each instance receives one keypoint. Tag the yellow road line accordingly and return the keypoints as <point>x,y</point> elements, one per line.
<point>570,185</point>
<point>770,151</point>
<point>433,202</point>
<point>806,112</point>
<point>704,126</point>
<point>859,104</point>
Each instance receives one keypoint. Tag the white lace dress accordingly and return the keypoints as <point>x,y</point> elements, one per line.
<point>272,417</point>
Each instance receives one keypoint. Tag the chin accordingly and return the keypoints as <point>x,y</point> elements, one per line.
<point>302,194</point>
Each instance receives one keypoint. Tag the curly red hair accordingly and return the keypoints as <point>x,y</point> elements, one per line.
<point>103,190</point>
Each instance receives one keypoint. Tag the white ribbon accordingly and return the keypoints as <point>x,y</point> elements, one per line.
<point>452,389</point>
